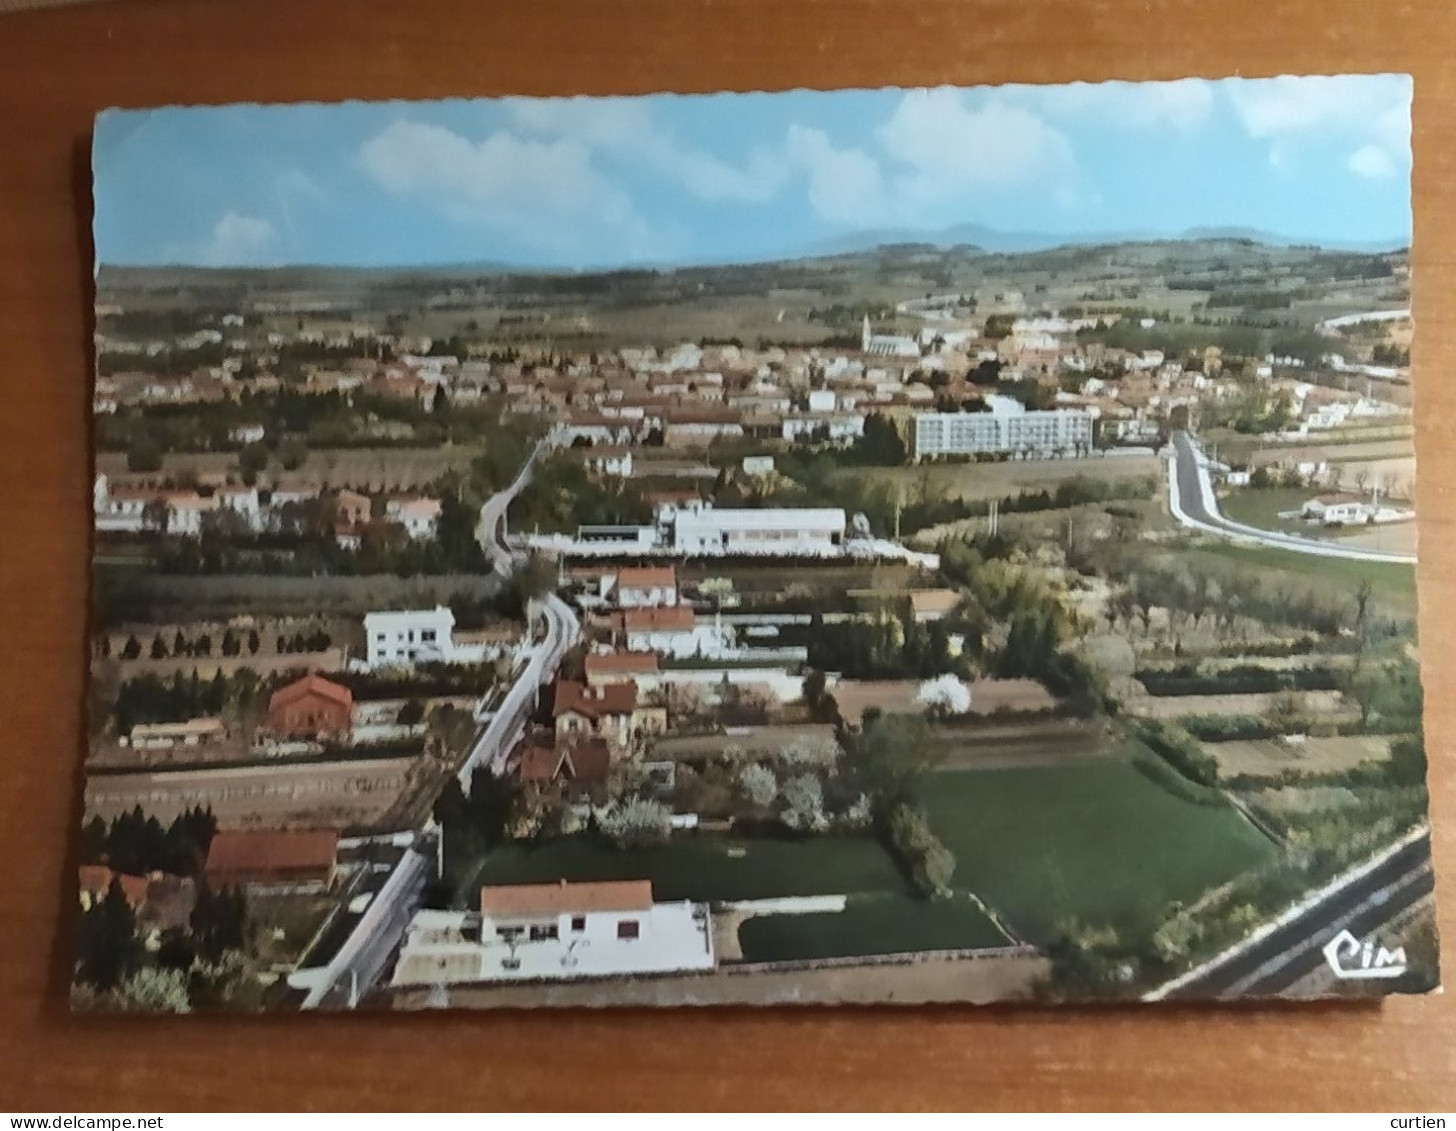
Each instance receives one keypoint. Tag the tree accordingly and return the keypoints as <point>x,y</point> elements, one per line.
<point>804,804</point>
<point>1363,592</point>
<point>291,453</point>
<point>891,754</point>
<point>159,648</point>
<point>252,459</point>
<point>154,989</point>
<point>411,712</point>
<point>758,785</point>
<point>253,642</point>
<point>218,921</point>
<point>131,649</point>
<point>881,443</point>
<point>107,947</point>
<point>638,822</point>
<point>144,454</point>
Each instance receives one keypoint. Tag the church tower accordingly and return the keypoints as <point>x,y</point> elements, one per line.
<point>864,340</point>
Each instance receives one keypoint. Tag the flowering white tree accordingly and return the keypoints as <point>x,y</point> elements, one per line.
<point>945,695</point>
<point>804,804</point>
<point>758,785</point>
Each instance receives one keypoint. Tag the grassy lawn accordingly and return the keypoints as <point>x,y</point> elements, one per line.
<point>1330,577</point>
<point>872,924</point>
<point>1261,507</point>
<point>1098,843</point>
<point>706,866</point>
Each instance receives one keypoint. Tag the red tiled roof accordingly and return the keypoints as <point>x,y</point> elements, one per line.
<point>95,879</point>
<point>594,702</point>
<point>646,577</point>
<point>250,852</point>
<point>619,663</point>
<point>561,898</point>
<point>315,684</point>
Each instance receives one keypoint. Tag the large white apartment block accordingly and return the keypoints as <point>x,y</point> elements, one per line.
<point>402,639</point>
<point>1030,435</point>
<point>529,932</point>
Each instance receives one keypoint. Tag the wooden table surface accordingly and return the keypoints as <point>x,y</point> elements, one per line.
<point>58,67</point>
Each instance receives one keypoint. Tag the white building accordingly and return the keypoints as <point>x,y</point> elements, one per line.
<point>407,637</point>
<point>822,400</point>
<point>419,517</point>
<point>642,587</point>
<point>529,932</point>
<point>836,427</point>
<point>887,345</point>
<point>1033,435</point>
<point>675,631</point>
<point>702,528</point>
<point>758,465</point>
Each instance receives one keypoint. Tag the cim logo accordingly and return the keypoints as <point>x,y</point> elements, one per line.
<point>1355,960</point>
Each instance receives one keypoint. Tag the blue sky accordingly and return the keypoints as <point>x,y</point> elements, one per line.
<point>589,182</point>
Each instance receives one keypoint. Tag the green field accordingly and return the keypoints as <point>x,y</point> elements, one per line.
<point>1330,577</point>
<point>707,866</point>
<point>1261,507</point>
<point>871,924</point>
<point>1097,843</point>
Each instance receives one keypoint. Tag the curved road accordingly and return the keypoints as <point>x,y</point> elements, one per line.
<point>493,745</point>
<point>372,942</point>
<point>1192,501</point>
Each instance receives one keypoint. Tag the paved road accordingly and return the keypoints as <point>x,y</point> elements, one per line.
<point>362,944</point>
<point>1293,950</point>
<point>372,940</point>
<point>1194,505</point>
<point>493,745</point>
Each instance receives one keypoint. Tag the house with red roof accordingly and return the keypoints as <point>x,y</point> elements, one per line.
<point>313,708</point>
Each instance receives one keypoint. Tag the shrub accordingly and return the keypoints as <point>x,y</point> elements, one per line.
<point>927,862</point>
<point>757,784</point>
<point>804,804</point>
<point>1179,749</point>
<point>1227,728</point>
<point>638,822</point>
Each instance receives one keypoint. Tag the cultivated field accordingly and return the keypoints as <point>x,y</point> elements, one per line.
<point>1271,757</point>
<point>318,795</point>
<point>898,696</point>
<point>1098,844</point>
<point>998,480</point>
<point>1322,704</point>
<point>363,469</point>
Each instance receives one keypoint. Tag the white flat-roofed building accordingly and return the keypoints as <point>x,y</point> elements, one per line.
<point>410,636</point>
<point>706,529</point>
<point>1038,434</point>
<point>530,932</point>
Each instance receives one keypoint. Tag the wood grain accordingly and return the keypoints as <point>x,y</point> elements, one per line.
<point>58,67</point>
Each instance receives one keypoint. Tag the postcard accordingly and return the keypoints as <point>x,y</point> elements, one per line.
<point>822,546</point>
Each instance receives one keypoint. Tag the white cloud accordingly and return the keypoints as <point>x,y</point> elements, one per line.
<point>1369,113</point>
<point>1183,104</point>
<point>947,146</point>
<point>935,154</point>
<point>546,194</point>
<point>1372,163</point>
<point>845,186</point>
<point>626,126</point>
<point>236,240</point>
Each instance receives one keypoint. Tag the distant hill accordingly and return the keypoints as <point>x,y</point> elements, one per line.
<point>969,239</point>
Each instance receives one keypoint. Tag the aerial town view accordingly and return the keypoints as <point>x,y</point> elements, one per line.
<point>862,546</point>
